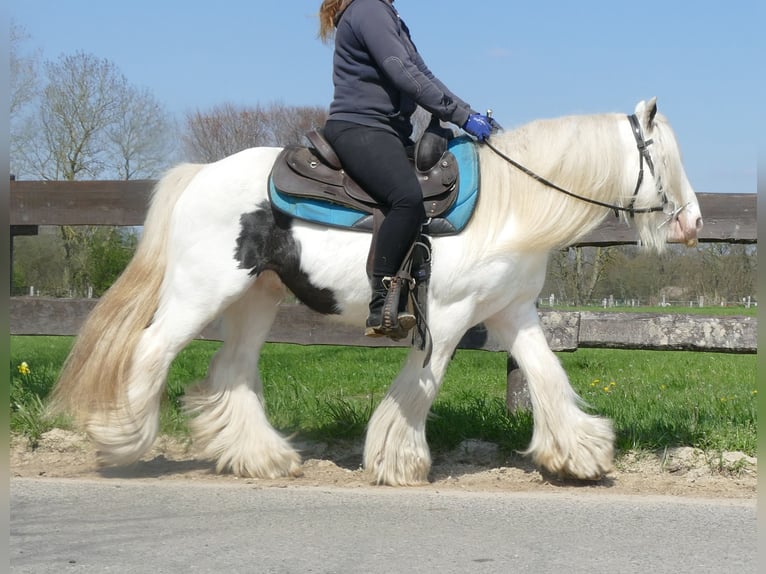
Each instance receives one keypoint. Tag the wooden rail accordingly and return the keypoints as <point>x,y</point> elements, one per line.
<point>565,330</point>
<point>728,217</point>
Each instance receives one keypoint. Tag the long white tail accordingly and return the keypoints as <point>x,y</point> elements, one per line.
<point>94,380</point>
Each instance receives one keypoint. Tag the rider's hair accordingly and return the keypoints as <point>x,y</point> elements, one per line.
<point>328,12</point>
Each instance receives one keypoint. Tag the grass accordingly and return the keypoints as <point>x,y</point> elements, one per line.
<point>665,398</point>
<point>738,310</point>
<point>656,399</point>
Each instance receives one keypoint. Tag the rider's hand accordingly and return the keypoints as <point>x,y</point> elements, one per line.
<point>478,126</point>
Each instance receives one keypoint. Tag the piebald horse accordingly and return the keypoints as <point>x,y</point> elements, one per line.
<point>212,249</point>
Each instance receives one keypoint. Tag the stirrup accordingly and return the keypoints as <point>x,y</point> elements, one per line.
<point>394,323</point>
<point>405,322</point>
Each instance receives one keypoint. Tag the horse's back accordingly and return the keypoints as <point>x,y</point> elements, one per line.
<point>229,187</point>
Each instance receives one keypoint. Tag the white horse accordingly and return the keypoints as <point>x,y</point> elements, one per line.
<point>211,248</point>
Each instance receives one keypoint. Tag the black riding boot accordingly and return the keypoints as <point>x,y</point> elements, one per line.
<point>388,309</point>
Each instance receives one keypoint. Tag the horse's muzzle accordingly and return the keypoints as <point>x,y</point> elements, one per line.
<point>685,226</point>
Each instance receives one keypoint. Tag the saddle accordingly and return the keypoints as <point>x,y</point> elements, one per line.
<point>309,183</point>
<point>315,173</point>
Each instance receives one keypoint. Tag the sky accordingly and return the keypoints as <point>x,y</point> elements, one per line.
<point>523,60</point>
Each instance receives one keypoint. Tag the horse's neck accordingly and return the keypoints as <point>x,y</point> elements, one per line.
<point>584,155</point>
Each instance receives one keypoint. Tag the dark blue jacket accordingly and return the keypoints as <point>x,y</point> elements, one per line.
<point>379,76</point>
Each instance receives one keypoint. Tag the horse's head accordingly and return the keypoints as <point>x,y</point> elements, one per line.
<point>664,182</point>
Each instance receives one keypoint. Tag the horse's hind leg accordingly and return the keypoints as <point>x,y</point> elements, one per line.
<point>123,434</point>
<point>228,417</point>
<point>565,440</point>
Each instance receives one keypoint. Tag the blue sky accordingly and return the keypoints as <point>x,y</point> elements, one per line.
<point>525,60</point>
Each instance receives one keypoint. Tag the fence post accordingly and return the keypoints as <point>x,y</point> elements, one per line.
<point>17,230</point>
<point>517,392</point>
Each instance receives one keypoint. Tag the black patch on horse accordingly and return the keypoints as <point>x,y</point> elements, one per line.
<point>265,243</point>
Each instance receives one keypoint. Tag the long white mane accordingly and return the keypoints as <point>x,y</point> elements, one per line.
<point>594,156</point>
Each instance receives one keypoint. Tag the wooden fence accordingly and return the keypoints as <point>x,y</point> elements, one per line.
<point>728,218</point>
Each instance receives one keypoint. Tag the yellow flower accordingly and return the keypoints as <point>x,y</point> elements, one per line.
<point>612,384</point>
<point>606,389</point>
<point>24,368</point>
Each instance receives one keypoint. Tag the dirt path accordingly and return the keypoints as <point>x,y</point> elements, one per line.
<point>474,466</point>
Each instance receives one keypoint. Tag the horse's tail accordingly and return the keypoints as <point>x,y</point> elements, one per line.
<point>94,378</point>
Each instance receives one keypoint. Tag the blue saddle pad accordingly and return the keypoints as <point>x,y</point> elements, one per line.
<point>333,215</point>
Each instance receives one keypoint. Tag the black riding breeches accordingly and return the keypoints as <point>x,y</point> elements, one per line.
<point>377,160</point>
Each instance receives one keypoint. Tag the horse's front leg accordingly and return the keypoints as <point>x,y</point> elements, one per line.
<point>565,440</point>
<point>396,452</point>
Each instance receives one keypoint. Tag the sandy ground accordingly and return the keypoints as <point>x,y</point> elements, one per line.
<point>474,466</point>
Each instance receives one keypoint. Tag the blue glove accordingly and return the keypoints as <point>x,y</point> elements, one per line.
<point>478,126</point>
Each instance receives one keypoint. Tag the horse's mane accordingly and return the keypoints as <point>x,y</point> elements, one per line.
<point>583,154</point>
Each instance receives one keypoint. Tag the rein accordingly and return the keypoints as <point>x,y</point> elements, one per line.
<point>643,154</point>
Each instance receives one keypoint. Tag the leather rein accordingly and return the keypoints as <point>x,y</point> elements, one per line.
<point>643,155</point>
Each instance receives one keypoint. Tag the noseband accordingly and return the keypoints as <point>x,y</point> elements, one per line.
<point>643,155</point>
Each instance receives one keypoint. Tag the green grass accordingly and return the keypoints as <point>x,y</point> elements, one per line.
<point>657,399</point>
<point>718,310</point>
<point>667,398</point>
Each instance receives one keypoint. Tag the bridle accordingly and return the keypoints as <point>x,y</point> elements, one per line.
<point>643,155</point>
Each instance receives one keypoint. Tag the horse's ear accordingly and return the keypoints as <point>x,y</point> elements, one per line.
<point>646,112</point>
<point>652,109</point>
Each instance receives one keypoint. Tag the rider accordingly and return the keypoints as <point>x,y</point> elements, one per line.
<point>379,80</point>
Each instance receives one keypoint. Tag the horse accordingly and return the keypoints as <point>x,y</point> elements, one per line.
<point>213,249</point>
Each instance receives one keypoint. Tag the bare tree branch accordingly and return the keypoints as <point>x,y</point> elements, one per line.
<point>228,129</point>
<point>142,136</point>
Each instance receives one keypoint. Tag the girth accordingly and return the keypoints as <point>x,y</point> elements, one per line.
<point>315,173</point>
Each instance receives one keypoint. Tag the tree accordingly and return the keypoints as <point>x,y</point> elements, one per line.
<point>288,125</point>
<point>91,123</point>
<point>142,136</point>
<point>228,129</point>
<point>109,252</point>
<point>718,272</point>
<point>38,262</point>
<point>23,71</point>
<point>24,89</point>
<point>725,272</point>
<point>575,273</point>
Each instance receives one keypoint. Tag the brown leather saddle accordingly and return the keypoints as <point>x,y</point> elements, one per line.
<point>315,172</point>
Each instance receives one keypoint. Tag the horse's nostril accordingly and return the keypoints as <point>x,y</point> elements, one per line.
<point>699,223</point>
